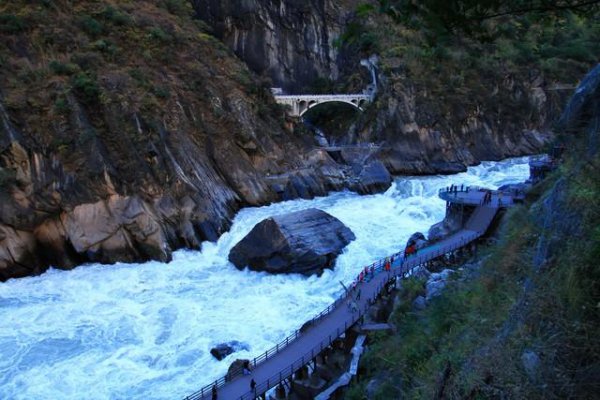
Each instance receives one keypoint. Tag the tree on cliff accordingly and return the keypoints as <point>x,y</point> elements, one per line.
<point>471,16</point>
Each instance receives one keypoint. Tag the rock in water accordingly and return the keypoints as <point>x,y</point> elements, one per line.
<point>222,350</point>
<point>374,178</point>
<point>304,242</point>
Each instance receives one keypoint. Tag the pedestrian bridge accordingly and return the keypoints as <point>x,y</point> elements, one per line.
<point>301,103</point>
<point>300,348</point>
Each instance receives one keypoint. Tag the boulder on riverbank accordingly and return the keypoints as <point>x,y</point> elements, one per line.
<point>418,240</point>
<point>304,242</point>
<point>455,218</point>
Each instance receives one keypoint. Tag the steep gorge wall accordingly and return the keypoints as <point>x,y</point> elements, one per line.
<point>126,133</point>
<point>290,41</point>
<point>426,131</point>
<point>422,129</point>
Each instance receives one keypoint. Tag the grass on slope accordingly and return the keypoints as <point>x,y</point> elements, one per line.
<point>471,341</point>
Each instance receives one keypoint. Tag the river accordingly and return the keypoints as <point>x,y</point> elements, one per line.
<point>144,331</point>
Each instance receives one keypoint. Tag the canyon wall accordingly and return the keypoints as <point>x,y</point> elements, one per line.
<point>128,132</point>
<point>425,123</point>
<point>292,42</point>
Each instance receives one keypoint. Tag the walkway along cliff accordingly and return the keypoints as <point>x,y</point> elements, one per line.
<point>300,348</point>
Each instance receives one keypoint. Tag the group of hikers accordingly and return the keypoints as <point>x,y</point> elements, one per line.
<point>487,197</point>
<point>410,250</point>
<point>455,189</point>
<point>364,276</point>
<point>369,271</point>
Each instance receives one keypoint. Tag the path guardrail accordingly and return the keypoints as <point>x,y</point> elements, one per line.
<point>404,269</point>
<point>406,265</point>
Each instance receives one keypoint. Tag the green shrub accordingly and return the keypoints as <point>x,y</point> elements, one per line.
<point>91,26</point>
<point>116,17</point>
<point>61,106</point>
<point>60,68</point>
<point>160,35</point>
<point>181,8</point>
<point>139,76</point>
<point>104,46</point>
<point>10,23</point>
<point>161,92</point>
<point>87,86</point>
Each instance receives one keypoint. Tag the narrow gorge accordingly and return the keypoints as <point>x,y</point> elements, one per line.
<point>140,141</point>
<point>111,153</point>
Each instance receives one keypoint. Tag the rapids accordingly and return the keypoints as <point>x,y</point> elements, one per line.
<point>133,331</point>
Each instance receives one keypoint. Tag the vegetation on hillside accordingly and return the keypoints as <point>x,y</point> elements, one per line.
<point>473,17</point>
<point>509,68</point>
<point>71,72</point>
<point>561,45</point>
<point>526,324</point>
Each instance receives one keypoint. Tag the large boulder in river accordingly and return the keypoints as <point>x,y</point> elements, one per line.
<point>372,178</point>
<point>303,242</point>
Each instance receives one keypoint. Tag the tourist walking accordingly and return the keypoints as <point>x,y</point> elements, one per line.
<point>252,385</point>
<point>214,392</point>
<point>246,367</point>
<point>488,197</point>
<point>358,295</point>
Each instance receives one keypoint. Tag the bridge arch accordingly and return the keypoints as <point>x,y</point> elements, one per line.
<point>300,104</point>
<point>358,104</point>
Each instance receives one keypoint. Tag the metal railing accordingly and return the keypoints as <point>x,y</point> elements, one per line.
<point>406,265</point>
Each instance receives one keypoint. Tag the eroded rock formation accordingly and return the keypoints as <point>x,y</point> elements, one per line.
<point>289,41</point>
<point>305,242</point>
<point>107,164</point>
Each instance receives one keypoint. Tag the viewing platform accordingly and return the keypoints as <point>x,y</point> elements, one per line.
<point>474,196</point>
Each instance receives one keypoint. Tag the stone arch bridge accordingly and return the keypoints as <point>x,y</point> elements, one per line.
<point>301,103</point>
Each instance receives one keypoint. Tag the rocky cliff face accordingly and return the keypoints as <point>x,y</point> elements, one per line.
<point>425,131</point>
<point>127,132</point>
<point>434,121</point>
<point>291,42</point>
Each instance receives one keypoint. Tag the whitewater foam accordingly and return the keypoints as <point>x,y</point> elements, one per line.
<point>145,330</point>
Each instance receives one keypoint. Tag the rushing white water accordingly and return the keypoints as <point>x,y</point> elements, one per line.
<point>145,330</point>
